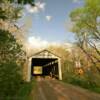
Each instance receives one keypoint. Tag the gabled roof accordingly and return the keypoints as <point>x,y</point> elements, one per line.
<point>45,53</point>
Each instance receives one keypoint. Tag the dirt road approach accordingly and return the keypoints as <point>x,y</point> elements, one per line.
<point>56,90</point>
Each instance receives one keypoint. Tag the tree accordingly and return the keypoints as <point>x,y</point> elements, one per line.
<point>20,1</point>
<point>86,19</point>
<point>87,29</point>
<point>11,10</point>
<point>12,56</point>
<point>11,60</point>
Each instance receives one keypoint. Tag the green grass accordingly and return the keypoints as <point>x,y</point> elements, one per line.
<point>24,92</point>
<point>82,82</point>
<point>95,89</point>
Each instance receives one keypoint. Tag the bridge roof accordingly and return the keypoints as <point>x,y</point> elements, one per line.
<point>44,54</point>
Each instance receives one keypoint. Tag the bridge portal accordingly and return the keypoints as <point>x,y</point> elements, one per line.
<point>44,63</point>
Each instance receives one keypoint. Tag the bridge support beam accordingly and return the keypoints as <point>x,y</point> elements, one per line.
<point>59,69</point>
<point>29,70</point>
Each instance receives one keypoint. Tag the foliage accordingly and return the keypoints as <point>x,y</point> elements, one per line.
<point>26,1</point>
<point>9,48</point>
<point>86,19</point>
<point>20,1</point>
<point>10,79</point>
<point>9,11</point>
<point>11,53</point>
<point>87,30</point>
<point>82,81</point>
<point>90,77</point>
<point>10,64</point>
<point>24,92</point>
<point>87,24</point>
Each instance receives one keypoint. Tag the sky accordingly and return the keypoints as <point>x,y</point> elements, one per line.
<point>49,21</point>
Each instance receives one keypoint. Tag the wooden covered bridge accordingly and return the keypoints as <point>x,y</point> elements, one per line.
<point>43,63</point>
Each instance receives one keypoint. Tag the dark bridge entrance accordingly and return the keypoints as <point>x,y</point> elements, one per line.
<point>44,64</point>
<point>45,67</point>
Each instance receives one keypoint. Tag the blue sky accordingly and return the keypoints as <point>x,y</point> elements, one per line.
<point>56,29</point>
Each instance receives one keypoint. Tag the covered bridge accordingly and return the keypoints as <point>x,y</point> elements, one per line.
<point>43,63</point>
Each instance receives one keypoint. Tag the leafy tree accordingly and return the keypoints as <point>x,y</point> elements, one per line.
<point>11,10</point>
<point>20,1</point>
<point>9,48</point>
<point>11,60</point>
<point>86,19</point>
<point>12,56</point>
<point>87,29</point>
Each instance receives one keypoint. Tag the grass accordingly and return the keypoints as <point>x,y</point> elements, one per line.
<point>24,92</point>
<point>95,89</point>
<point>82,82</point>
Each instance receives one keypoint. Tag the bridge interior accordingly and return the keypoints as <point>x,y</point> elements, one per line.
<point>49,67</point>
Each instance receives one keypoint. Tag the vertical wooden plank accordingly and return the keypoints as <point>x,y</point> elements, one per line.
<point>59,69</point>
<point>29,70</point>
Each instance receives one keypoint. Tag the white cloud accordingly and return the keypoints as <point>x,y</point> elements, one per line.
<point>31,9</point>
<point>27,7</point>
<point>34,10</point>
<point>48,18</point>
<point>37,8</point>
<point>33,44</point>
<point>40,5</point>
<point>37,42</point>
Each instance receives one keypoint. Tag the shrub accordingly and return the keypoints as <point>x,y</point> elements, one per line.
<point>10,65</point>
<point>10,79</point>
